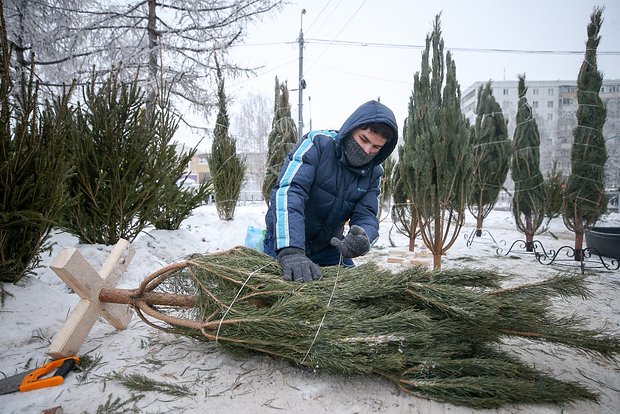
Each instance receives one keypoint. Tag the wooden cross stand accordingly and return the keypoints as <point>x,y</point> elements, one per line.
<point>99,297</point>
<point>76,272</point>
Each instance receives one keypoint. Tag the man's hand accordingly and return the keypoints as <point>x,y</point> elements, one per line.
<point>355,244</point>
<point>297,267</point>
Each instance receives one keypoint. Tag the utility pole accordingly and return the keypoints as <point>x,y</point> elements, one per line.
<point>302,82</point>
<point>310,111</point>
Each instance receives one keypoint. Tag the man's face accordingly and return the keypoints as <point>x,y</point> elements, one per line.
<point>370,142</point>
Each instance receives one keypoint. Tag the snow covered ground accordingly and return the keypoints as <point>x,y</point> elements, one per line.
<point>218,383</point>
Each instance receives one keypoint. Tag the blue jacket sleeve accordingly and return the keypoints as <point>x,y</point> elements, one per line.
<point>294,186</point>
<point>367,209</point>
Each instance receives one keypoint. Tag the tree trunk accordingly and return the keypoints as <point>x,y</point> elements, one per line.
<point>578,246</point>
<point>127,297</point>
<point>529,242</point>
<point>529,234</point>
<point>436,261</point>
<point>479,220</point>
<point>438,242</point>
<point>153,69</point>
<point>412,227</point>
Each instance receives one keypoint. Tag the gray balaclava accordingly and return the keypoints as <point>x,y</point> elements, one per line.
<point>355,155</point>
<point>350,152</point>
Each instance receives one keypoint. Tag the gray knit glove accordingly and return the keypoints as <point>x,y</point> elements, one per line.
<point>355,244</point>
<point>297,267</point>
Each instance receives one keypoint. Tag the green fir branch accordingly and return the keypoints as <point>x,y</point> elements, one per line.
<point>141,383</point>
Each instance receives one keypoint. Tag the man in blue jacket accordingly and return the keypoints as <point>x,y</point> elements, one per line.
<point>329,178</point>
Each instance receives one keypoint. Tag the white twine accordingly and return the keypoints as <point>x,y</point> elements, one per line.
<point>340,263</point>
<point>527,121</point>
<point>528,189</point>
<point>527,148</point>
<point>589,127</point>
<point>505,141</point>
<point>484,115</point>
<point>586,178</point>
<point>217,334</point>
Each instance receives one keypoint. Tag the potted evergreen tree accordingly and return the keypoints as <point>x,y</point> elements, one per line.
<point>584,193</point>
<point>528,202</point>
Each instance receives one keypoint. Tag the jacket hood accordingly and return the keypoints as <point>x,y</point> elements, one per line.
<point>371,111</point>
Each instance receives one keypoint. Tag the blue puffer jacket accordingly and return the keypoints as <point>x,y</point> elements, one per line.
<point>317,191</point>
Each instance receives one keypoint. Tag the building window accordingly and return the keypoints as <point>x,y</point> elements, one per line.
<point>550,91</point>
<point>549,104</point>
<point>566,101</point>
<point>535,91</point>
<point>505,91</point>
<point>469,95</point>
<point>549,117</point>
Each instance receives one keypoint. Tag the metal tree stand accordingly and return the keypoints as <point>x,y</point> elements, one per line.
<point>535,247</point>
<point>479,233</point>
<point>588,257</point>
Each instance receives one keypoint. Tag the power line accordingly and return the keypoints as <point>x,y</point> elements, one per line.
<point>325,20</point>
<point>421,47</point>
<point>320,13</point>
<point>338,34</point>
<point>461,49</point>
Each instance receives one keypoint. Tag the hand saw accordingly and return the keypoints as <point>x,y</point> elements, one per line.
<point>34,379</point>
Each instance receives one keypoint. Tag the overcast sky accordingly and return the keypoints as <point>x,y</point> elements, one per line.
<point>357,50</point>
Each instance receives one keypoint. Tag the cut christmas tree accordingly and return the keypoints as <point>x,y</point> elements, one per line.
<point>437,334</point>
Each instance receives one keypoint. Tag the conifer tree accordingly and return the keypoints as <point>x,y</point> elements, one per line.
<point>173,205</point>
<point>227,168</point>
<point>282,138</point>
<point>584,193</point>
<point>32,168</point>
<point>491,156</point>
<point>528,203</point>
<point>437,158</point>
<point>113,151</point>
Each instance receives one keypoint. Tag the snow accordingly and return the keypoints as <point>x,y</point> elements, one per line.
<point>39,305</point>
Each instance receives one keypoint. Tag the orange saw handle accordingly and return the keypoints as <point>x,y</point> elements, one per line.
<point>33,381</point>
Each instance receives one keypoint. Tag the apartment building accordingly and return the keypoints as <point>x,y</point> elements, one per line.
<point>555,106</point>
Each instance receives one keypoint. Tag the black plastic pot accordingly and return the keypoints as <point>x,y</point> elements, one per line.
<point>606,240</point>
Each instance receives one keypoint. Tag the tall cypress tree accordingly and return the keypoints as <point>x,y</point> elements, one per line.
<point>436,160</point>
<point>528,203</point>
<point>282,138</point>
<point>227,168</point>
<point>491,156</point>
<point>584,193</point>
